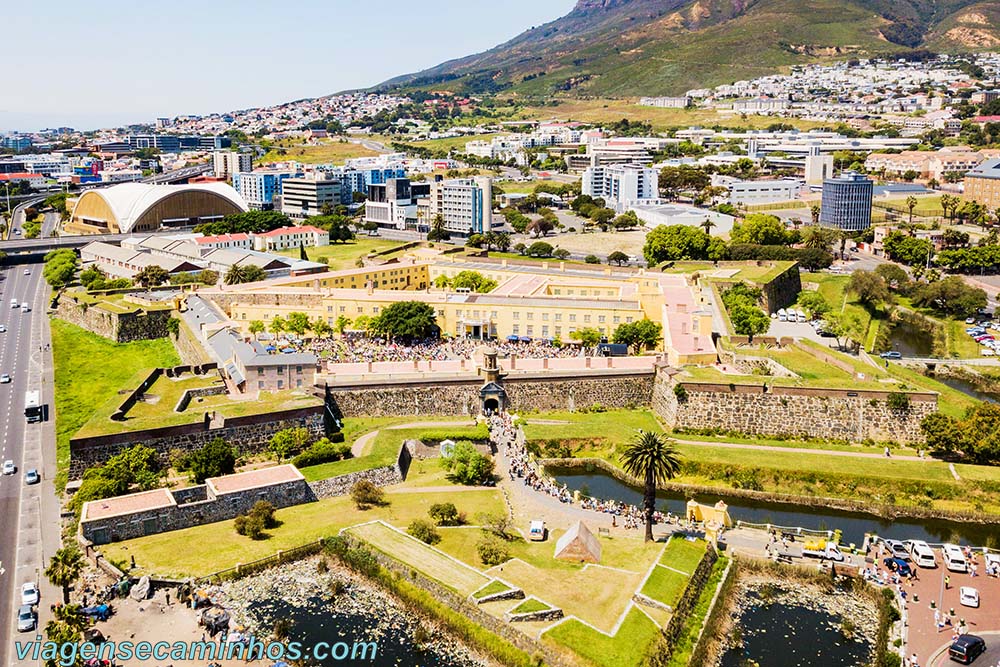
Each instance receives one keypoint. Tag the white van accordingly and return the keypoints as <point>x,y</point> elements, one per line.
<point>25,308</point>
<point>954,559</point>
<point>921,553</point>
<point>782,315</point>
<point>13,303</point>
<point>801,316</point>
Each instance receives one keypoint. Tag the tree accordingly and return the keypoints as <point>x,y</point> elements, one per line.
<point>438,231</point>
<point>594,259</point>
<point>406,319</point>
<point>814,302</point>
<point>60,267</point>
<point>639,335</point>
<point>820,238</point>
<point>256,327</point>
<point>502,241</point>
<point>650,458</point>
<point>151,276</point>
<point>869,287</point>
<point>474,281</point>
<point>618,257</point>
<point>540,249</point>
<point>541,227</point>
<point>64,568</point>
<point>674,243</point>
<point>278,325</point>
<point>424,531</point>
<point>254,273</point>
<point>298,323</point>
<point>749,320</point>
<point>215,459</point>
<point>760,229</point>
<point>588,336</point>
<point>341,324</point>
<point>321,328</point>
<point>445,514</point>
<point>561,253</point>
<point>814,211</point>
<point>628,220</point>
<point>467,466</point>
<point>911,203</point>
<point>950,295</point>
<point>365,494</point>
<point>895,276</point>
<point>248,222</point>
<point>235,275</point>
<point>707,225</point>
<point>289,441</point>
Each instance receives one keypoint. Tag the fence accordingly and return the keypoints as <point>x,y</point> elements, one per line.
<point>246,569</point>
<point>795,530</point>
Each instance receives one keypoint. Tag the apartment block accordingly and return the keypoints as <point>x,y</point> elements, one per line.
<point>621,185</point>
<point>305,197</point>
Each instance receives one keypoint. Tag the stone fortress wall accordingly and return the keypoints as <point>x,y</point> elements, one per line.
<point>124,327</point>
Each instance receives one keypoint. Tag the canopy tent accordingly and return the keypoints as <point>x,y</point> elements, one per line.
<point>578,544</point>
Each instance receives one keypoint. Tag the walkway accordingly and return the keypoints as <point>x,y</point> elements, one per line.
<point>361,444</point>
<point>800,450</point>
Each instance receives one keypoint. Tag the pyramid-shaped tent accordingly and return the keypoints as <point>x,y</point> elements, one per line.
<point>578,544</point>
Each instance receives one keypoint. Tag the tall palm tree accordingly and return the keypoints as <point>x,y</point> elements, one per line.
<point>72,616</point>
<point>814,210</point>
<point>911,203</point>
<point>651,458</point>
<point>235,275</point>
<point>64,568</point>
<point>707,225</point>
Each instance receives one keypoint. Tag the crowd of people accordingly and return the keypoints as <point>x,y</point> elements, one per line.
<point>361,350</point>
<point>520,466</point>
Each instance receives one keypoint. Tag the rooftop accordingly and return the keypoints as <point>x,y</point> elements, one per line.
<point>133,502</point>
<point>253,479</point>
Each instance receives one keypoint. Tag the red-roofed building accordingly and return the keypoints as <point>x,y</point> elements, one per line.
<point>34,180</point>
<point>982,120</point>
<point>284,238</point>
<point>239,241</point>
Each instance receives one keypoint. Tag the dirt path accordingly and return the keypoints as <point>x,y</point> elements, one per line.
<point>358,448</point>
<point>800,450</point>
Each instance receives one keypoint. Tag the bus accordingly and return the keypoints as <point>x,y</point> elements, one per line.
<point>33,408</point>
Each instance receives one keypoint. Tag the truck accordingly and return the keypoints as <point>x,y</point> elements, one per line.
<point>823,549</point>
<point>34,410</point>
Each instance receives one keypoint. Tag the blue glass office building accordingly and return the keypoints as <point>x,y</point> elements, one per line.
<point>847,202</point>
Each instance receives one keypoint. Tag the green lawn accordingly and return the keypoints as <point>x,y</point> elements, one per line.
<point>951,401</point>
<point>331,151</point>
<point>665,586</point>
<point>219,547</point>
<point>613,426</point>
<point>523,187</point>
<point>794,444</point>
<point>421,557</point>
<point>529,606</point>
<point>960,344</point>
<point>682,554</point>
<point>626,649</point>
<point>448,143</point>
<point>492,588</point>
<point>692,627</point>
<point>89,371</point>
<point>344,255</point>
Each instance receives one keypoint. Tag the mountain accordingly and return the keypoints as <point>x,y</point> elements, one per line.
<point>661,47</point>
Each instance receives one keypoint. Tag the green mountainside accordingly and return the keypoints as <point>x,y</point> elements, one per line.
<point>611,48</point>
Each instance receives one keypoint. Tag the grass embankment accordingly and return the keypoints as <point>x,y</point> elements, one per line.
<point>89,371</point>
<point>220,547</point>
<point>667,580</point>
<point>626,648</point>
<point>342,256</point>
<point>330,151</point>
<point>384,449</point>
<point>685,645</point>
<point>449,143</point>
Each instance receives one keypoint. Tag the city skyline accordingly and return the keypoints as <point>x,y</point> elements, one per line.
<point>210,65</point>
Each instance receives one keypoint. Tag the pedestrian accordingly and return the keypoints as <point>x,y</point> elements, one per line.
<point>947,582</point>
<point>168,598</point>
<point>913,661</point>
<point>937,620</point>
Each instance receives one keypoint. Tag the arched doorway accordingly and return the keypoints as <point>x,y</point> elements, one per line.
<point>491,405</point>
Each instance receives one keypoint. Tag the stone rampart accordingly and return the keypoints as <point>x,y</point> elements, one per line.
<point>123,327</point>
<point>791,411</point>
<point>384,476</point>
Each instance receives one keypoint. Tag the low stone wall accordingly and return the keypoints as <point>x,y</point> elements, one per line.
<point>189,394</point>
<point>384,476</point>
<point>123,327</point>
<point>250,435</point>
<point>792,411</point>
<point>512,594</point>
<point>542,615</point>
<point>186,515</point>
<point>689,598</point>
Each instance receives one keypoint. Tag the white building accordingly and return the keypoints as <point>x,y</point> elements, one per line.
<point>227,163</point>
<point>285,238</point>
<point>465,204</point>
<point>749,193</point>
<point>621,185</point>
<point>656,214</point>
<point>305,197</point>
<point>666,102</point>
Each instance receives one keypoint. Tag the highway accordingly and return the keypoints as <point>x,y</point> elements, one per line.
<point>23,356</point>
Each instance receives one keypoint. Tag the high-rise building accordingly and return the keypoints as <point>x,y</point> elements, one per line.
<point>259,188</point>
<point>465,204</point>
<point>847,202</point>
<point>819,167</point>
<point>305,197</point>
<point>227,163</point>
<point>982,184</point>
<point>621,185</point>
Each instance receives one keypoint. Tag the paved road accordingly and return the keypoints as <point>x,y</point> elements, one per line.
<point>23,507</point>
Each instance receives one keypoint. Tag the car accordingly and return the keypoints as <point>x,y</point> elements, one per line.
<point>968,596</point>
<point>966,648</point>
<point>954,559</point>
<point>970,320</point>
<point>13,303</point>
<point>29,593</point>
<point>987,353</point>
<point>3,328</point>
<point>17,232</point>
<point>27,272</point>
<point>898,565</point>
<point>891,355</point>
<point>25,308</point>
<point>26,619</point>
<point>9,468</point>
<point>898,549</point>
<point>32,477</point>
<point>921,553</point>
<point>4,378</point>
<point>826,334</point>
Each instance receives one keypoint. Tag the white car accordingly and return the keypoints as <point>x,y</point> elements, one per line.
<point>968,596</point>
<point>4,378</point>
<point>3,328</point>
<point>954,559</point>
<point>25,308</point>
<point>29,593</point>
<point>27,272</point>
<point>922,553</point>
<point>8,467</point>
<point>988,352</point>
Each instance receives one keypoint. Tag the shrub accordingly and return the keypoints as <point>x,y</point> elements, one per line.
<point>445,514</point>
<point>322,451</point>
<point>365,494</point>
<point>265,510</point>
<point>492,551</point>
<point>215,459</point>
<point>681,393</point>
<point>467,466</point>
<point>424,531</point>
<point>592,259</point>
<point>250,525</point>
<point>897,400</point>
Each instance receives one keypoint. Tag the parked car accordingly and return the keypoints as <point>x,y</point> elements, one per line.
<point>32,477</point>
<point>954,559</point>
<point>26,619</point>
<point>891,355</point>
<point>921,553</point>
<point>968,596</point>
<point>9,468</point>
<point>25,308</point>
<point>3,328</point>
<point>898,565</point>
<point>29,593</point>
<point>987,352</point>
<point>898,549</point>
<point>966,648</point>
<point>970,320</point>
<point>4,378</point>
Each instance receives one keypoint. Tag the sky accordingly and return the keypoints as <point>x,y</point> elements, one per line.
<point>100,64</point>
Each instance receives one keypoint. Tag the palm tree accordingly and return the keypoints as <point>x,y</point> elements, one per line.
<point>256,327</point>
<point>235,275</point>
<point>707,225</point>
<point>71,616</point>
<point>64,568</point>
<point>651,458</point>
<point>911,203</point>
<point>815,211</point>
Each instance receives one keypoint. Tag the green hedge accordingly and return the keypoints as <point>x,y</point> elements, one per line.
<point>457,432</point>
